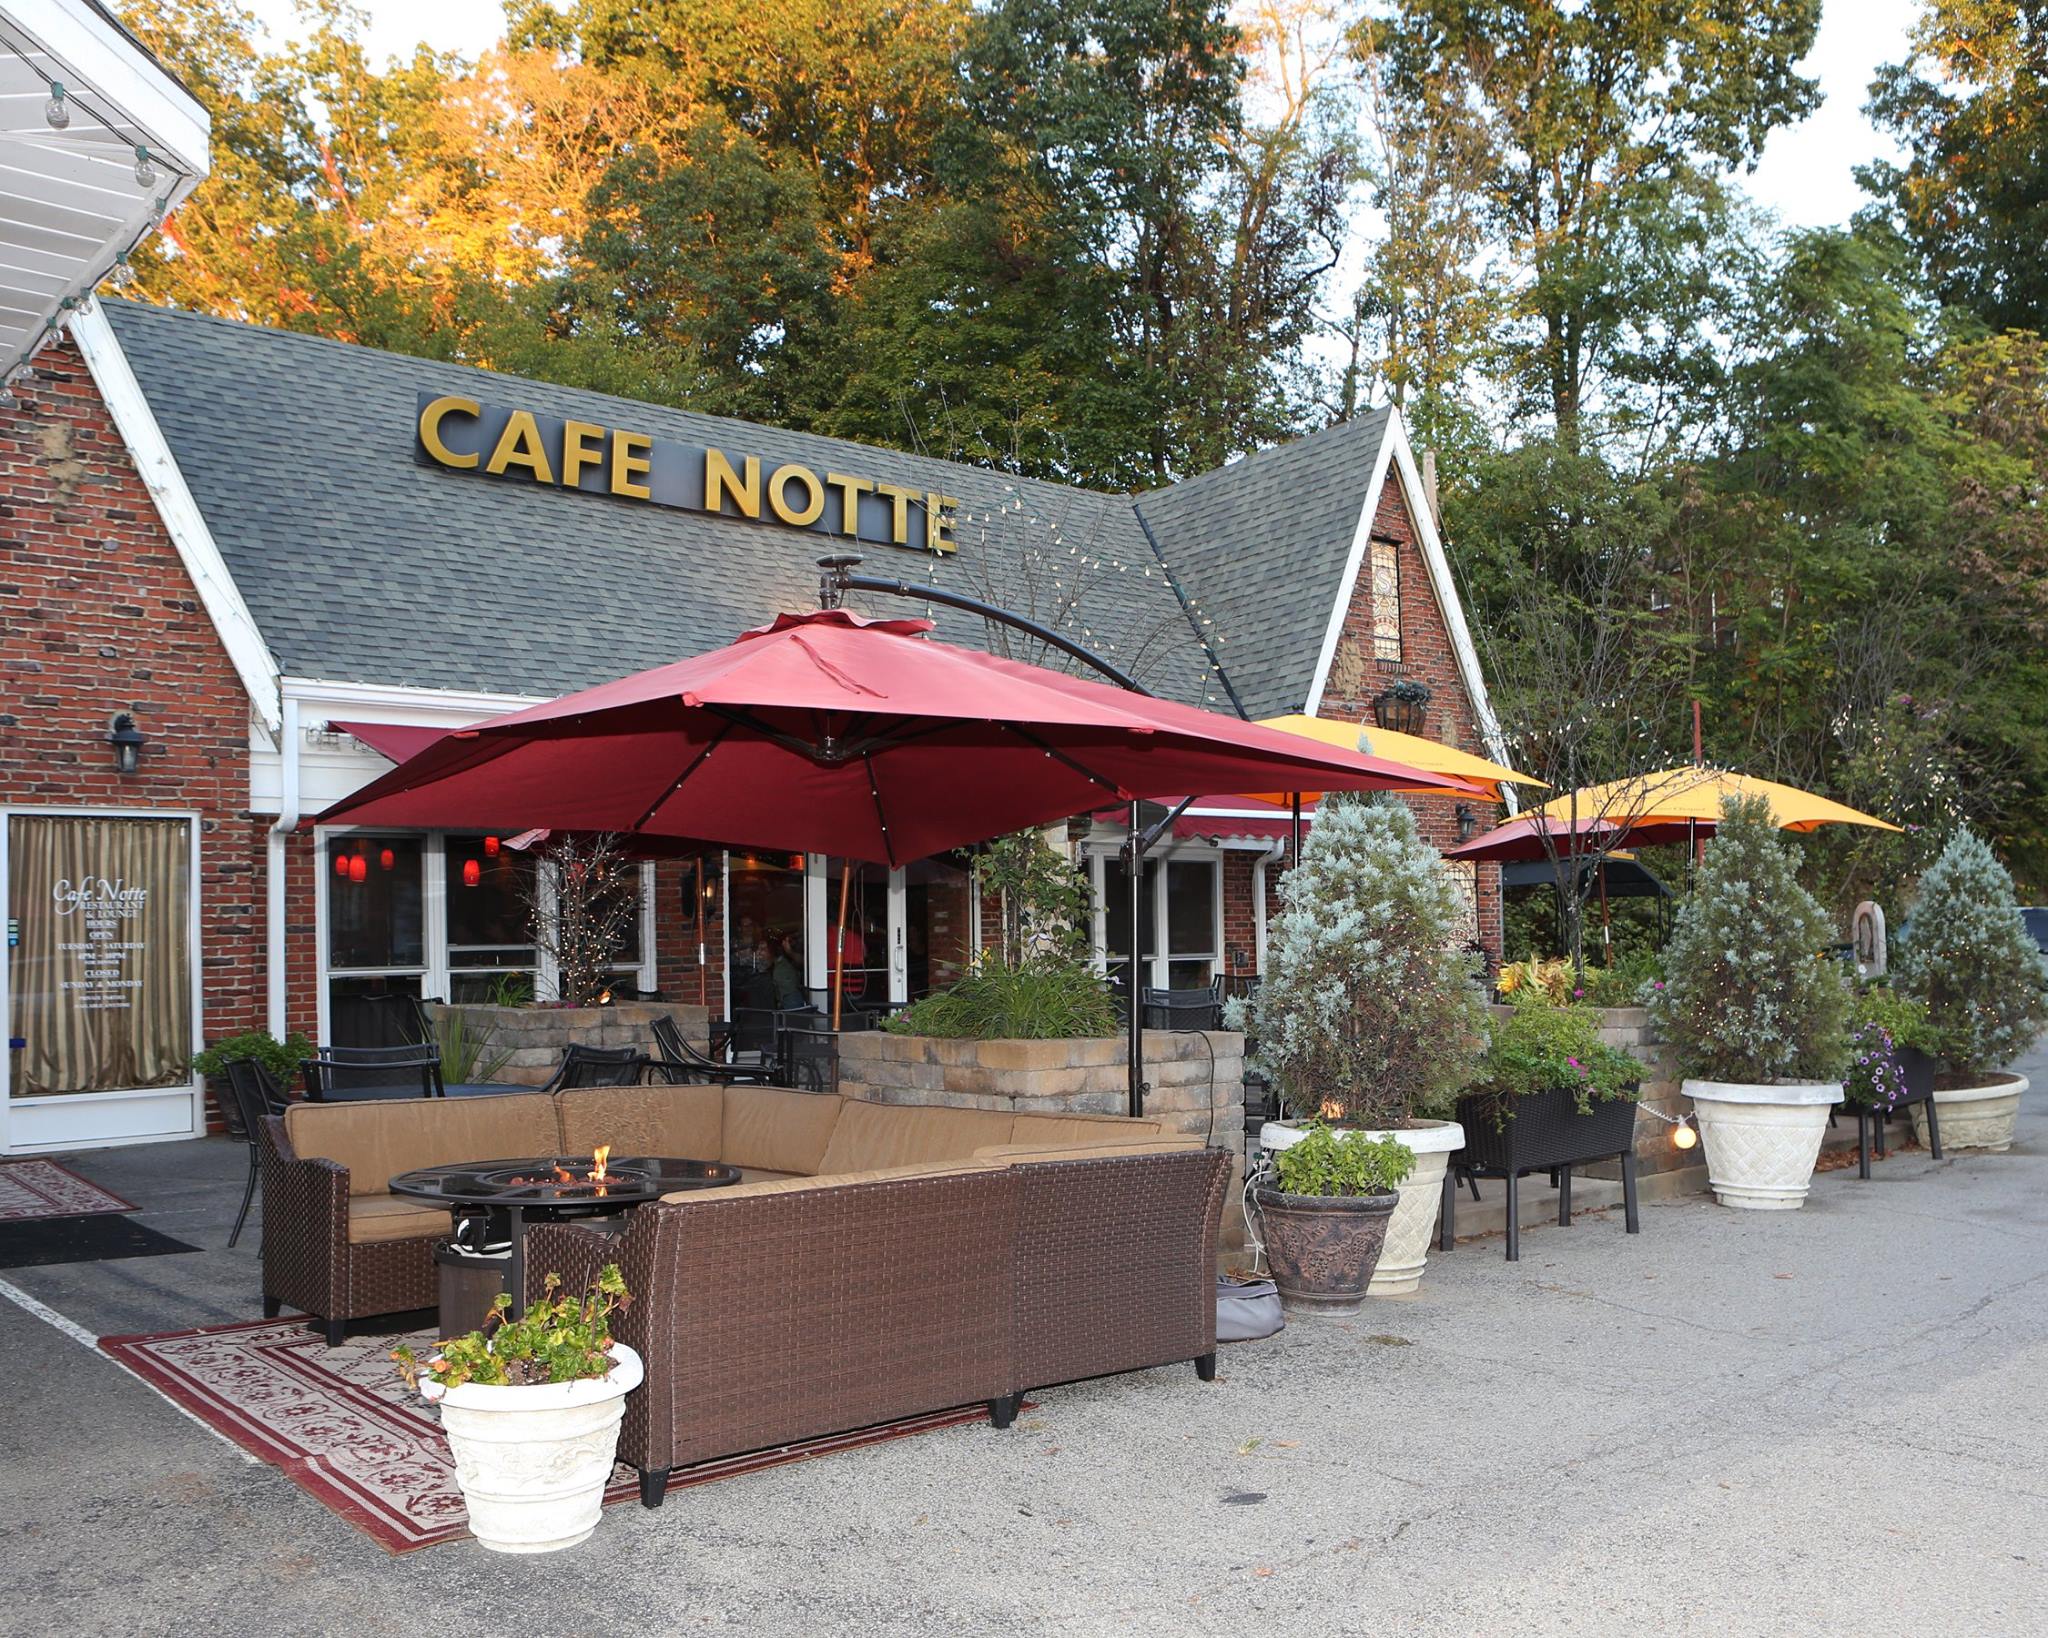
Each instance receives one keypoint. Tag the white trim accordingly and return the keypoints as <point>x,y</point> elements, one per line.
<point>99,56</point>
<point>1394,451</point>
<point>356,697</point>
<point>194,1091</point>
<point>183,522</point>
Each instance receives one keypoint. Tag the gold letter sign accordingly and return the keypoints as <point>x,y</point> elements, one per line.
<point>516,445</point>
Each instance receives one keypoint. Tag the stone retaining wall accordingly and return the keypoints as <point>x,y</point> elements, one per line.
<point>1196,1076</point>
<point>537,1036</point>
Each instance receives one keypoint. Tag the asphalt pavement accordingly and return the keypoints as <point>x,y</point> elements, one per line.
<point>1826,1421</point>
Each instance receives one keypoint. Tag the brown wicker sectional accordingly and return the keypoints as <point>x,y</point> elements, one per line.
<point>879,1260</point>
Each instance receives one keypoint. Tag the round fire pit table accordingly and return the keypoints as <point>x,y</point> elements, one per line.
<point>510,1194</point>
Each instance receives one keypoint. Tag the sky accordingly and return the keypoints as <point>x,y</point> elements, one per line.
<point>1806,173</point>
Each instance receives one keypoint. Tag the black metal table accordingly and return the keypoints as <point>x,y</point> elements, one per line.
<point>553,1189</point>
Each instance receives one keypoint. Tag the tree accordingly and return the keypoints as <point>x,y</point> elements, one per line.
<point>1971,961</point>
<point>1609,129</point>
<point>1970,105</point>
<point>580,907</point>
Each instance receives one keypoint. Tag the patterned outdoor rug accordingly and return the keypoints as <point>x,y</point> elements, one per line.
<point>42,1188</point>
<point>343,1428</point>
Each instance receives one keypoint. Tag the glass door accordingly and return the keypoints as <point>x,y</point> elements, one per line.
<point>765,923</point>
<point>376,937</point>
<point>866,924</point>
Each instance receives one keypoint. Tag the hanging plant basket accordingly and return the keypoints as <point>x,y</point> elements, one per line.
<point>1402,707</point>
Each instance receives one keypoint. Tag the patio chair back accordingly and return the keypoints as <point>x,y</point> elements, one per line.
<point>252,1094</point>
<point>598,1066</point>
<point>1184,1009</point>
<point>339,1074</point>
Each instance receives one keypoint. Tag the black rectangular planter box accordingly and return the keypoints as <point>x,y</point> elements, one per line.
<point>1545,1133</point>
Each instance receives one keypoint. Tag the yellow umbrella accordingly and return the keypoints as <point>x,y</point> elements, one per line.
<point>1486,778</point>
<point>1691,792</point>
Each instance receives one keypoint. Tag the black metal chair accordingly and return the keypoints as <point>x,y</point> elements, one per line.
<point>754,1031</point>
<point>1184,1009</point>
<point>366,1074</point>
<point>252,1094</point>
<point>681,1064</point>
<point>808,1053</point>
<point>598,1066</point>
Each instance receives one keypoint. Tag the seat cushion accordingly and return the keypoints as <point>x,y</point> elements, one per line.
<point>684,1122</point>
<point>377,1141</point>
<point>870,1136</point>
<point>772,1129</point>
<point>835,1180</point>
<point>1083,1129</point>
<point>1020,1154</point>
<point>386,1217</point>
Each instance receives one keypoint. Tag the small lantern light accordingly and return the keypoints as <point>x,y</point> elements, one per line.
<point>127,740</point>
<point>1683,1136</point>
<point>145,169</point>
<point>358,869</point>
<point>1468,822</point>
<point>56,112</point>
<point>387,859</point>
<point>491,845</point>
<point>796,861</point>
<point>472,873</point>
<point>341,865</point>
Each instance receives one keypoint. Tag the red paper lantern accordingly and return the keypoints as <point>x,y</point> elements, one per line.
<point>359,869</point>
<point>387,859</point>
<point>341,865</point>
<point>796,861</point>
<point>491,846</point>
<point>472,873</point>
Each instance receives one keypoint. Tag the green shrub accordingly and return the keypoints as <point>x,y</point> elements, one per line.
<point>281,1058</point>
<point>1968,959</point>
<point>467,1053</point>
<point>558,1339</point>
<point>1750,995</point>
<point>1628,982</point>
<point>1899,1016</point>
<point>1541,1048</point>
<point>1368,1002</point>
<point>1048,998</point>
<point>1324,1162</point>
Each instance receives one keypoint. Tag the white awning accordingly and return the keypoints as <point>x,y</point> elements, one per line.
<point>98,143</point>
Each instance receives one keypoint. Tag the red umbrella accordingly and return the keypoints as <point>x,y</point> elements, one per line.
<point>1523,838</point>
<point>866,738</point>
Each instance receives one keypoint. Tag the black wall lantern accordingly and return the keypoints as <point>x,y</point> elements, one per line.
<point>1468,822</point>
<point>1402,706</point>
<point>127,740</point>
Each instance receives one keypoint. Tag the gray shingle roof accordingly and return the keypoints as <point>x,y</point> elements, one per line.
<point>361,566</point>
<point>1259,547</point>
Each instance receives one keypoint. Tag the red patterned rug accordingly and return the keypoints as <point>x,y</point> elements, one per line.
<point>42,1188</point>
<point>343,1428</point>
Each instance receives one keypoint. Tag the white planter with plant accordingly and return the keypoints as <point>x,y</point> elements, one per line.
<point>1967,958</point>
<point>532,1408</point>
<point>1368,1014</point>
<point>1756,1014</point>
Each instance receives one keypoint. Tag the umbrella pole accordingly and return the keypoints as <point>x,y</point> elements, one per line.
<point>1132,977</point>
<point>839,952</point>
<point>1295,858</point>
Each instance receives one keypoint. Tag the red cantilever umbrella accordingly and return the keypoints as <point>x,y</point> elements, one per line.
<point>1523,838</point>
<point>825,731</point>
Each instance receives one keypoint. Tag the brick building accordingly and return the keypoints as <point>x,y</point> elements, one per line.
<point>264,565</point>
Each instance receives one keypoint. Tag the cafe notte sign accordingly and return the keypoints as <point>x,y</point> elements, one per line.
<point>466,436</point>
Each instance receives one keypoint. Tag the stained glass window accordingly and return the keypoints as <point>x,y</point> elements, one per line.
<point>1386,601</point>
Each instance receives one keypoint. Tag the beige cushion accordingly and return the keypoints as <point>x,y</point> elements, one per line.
<point>684,1122</point>
<point>386,1217</point>
<point>1083,1129</point>
<point>1014,1154</point>
<point>772,1129</point>
<point>377,1141</point>
<point>798,1185</point>
<point>873,1135</point>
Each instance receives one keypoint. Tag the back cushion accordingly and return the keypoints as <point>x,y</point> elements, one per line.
<point>687,1122</point>
<point>1090,1129</point>
<point>1018,1154</point>
<point>799,1185</point>
<point>376,1141</point>
<point>870,1136</point>
<point>772,1130</point>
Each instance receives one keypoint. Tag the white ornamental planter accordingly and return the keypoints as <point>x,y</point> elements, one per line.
<point>1413,1225</point>
<point>1762,1141</point>
<point>1975,1117</point>
<point>533,1462</point>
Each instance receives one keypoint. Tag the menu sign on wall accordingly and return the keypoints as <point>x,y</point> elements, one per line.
<point>100,972</point>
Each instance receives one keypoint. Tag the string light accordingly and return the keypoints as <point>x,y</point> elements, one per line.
<point>57,112</point>
<point>145,172</point>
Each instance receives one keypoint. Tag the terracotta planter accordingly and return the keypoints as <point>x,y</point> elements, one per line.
<point>1762,1141</point>
<point>1975,1117</point>
<point>1323,1248</point>
<point>1413,1226</point>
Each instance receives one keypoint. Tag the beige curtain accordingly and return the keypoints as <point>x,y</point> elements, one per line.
<point>100,984</point>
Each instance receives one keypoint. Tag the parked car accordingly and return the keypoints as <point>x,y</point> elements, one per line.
<point>2036,918</point>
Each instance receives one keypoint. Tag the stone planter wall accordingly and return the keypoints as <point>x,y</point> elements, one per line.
<point>537,1036</point>
<point>1197,1080</point>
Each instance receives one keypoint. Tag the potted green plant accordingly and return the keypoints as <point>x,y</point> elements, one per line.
<point>280,1058</point>
<point>532,1408</point>
<point>1549,1093</point>
<point>1889,1062</point>
<point>1324,1222</point>
<point>1369,1014</point>
<point>1756,1014</point>
<point>1966,957</point>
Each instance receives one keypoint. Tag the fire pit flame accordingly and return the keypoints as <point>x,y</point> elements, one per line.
<point>599,1156</point>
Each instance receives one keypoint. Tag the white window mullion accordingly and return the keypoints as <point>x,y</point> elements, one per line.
<point>434,916</point>
<point>899,959</point>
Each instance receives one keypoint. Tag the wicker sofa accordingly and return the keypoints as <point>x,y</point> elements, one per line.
<point>877,1260</point>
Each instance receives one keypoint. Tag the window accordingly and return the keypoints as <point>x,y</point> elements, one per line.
<point>490,938</point>
<point>1181,895</point>
<point>1191,931</point>
<point>1386,600</point>
<point>765,915</point>
<point>376,937</point>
